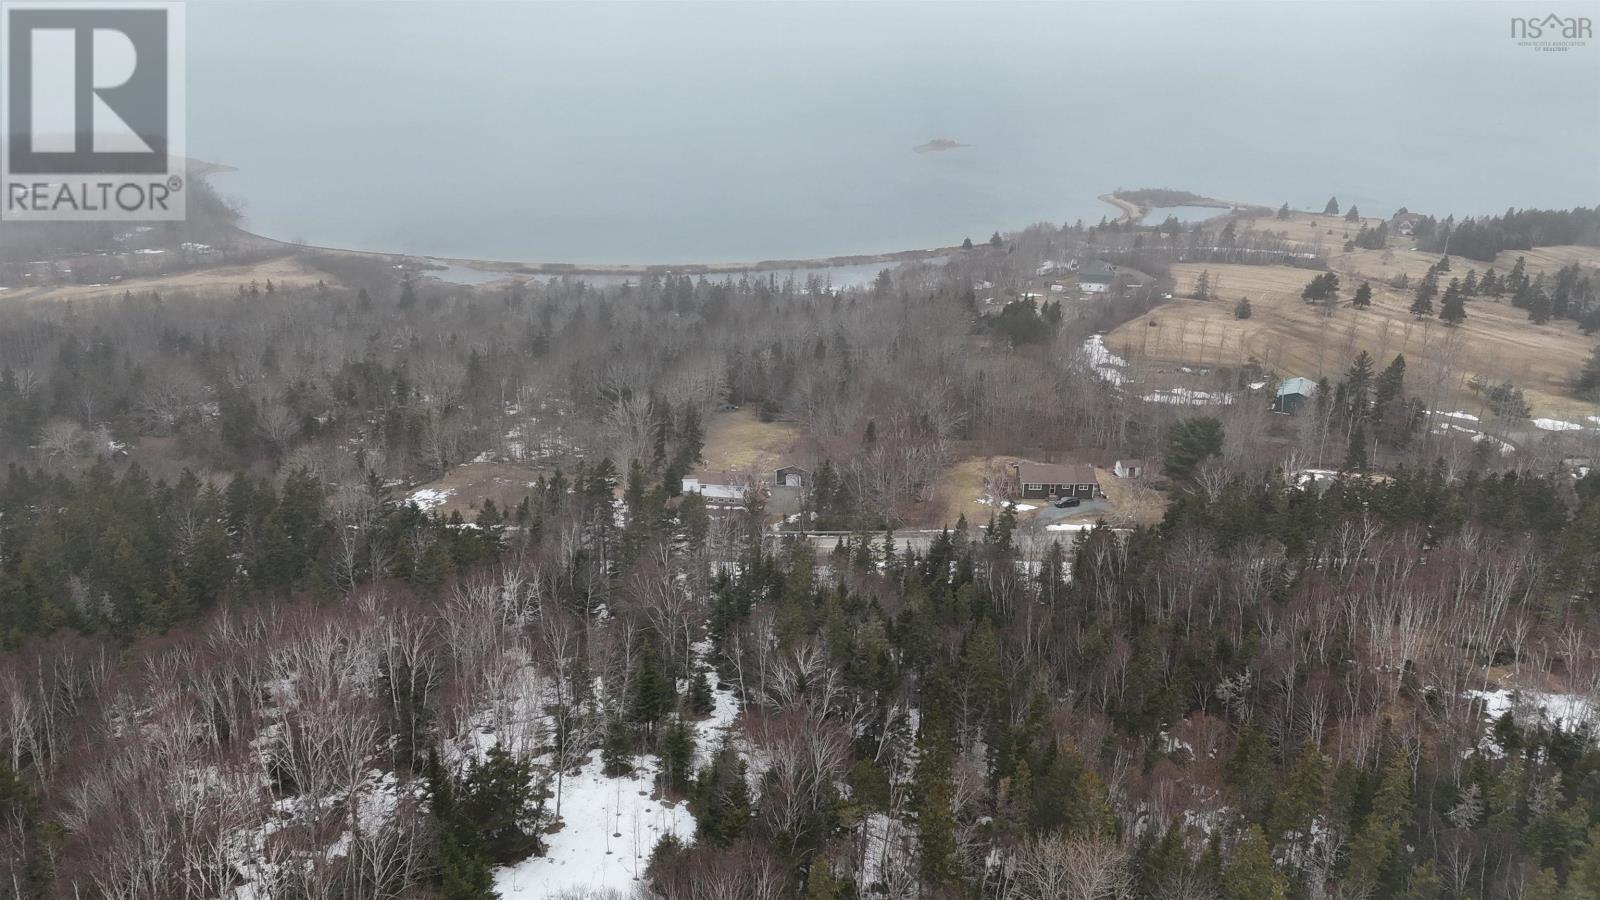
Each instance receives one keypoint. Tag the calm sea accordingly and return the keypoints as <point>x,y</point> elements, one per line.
<point>676,132</point>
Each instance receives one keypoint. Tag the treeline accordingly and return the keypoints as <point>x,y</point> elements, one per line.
<point>1486,237</point>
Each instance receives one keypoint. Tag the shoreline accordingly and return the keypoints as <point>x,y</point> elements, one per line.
<point>1130,213</point>
<point>514,268</point>
<point>1134,212</point>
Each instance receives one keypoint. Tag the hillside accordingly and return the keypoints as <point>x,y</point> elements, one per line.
<point>1288,336</point>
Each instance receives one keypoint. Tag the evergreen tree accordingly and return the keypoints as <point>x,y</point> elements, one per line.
<point>966,244</point>
<point>1589,377</point>
<point>722,798</point>
<point>1283,211</point>
<point>1249,874</point>
<point>462,869</point>
<point>499,803</point>
<point>1190,442</point>
<point>1248,770</point>
<point>1363,297</point>
<point>1452,309</point>
<point>677,756</point>
<point>1332,207</point>
<point>1355,459</point>
<point>1377,848</point>
<point>1304,796</point>
<point>1242,309</point>
<point>994,239</point>
<point>936,831</point>
<point>1427,289</point>
<point>1354,215</point>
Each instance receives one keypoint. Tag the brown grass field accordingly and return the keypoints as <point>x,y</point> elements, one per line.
<point>1291,337</point>
<point>738,440</point>
<point>470,484</point>
<point>1328,232</point>
<point>284,271</point>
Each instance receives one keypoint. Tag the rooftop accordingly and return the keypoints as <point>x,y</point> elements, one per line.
<point>1302,386</point>
<point>1054,473</point>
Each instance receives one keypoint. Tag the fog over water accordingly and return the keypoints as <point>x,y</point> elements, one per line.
<point>676,132</point>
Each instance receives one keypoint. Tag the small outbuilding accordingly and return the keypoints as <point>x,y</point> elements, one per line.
<point>791,476</point>
<point>1129,468</point>
<point>1293,394</point>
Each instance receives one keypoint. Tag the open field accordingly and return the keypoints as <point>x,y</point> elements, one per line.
<point>1290,337</point>
<point>284,271</point>
<point>1384,265</point>
<point>1327,232</point>
<point>464,488</point>
<point>962,489</point>
<point>1132,502</point>
<point>739,440</point>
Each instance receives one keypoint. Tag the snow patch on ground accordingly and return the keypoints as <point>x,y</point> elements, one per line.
<point>1070,526</point>
<point>1304,477</point>
<point>1019,507</point>
<point>1556,425</point>
<point>429,498</point>
<point>1106,364</point>
<point>1570,712</point>
<point>1476,435</point>
<point>1182,396</point>
<point>1465,416</point>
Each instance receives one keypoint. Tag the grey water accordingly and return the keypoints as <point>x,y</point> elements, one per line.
<point>707,132</point>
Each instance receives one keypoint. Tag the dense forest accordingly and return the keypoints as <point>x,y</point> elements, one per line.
<point>240,661</point>
<point>1484,238</point>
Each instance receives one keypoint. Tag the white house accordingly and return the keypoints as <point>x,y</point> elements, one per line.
<point>718,486</point>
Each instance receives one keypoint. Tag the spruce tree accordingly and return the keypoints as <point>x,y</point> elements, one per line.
<point>1453,309</point>
<point>1589,377</point>
<point>1332,207</point>
<point>1249,873</point>
<point>1355,459</point>
<point>1303,798</point>
<point>1190,442</point>
<point>1363,297</point>
<point>1427,289</point>
<point>677,756</point>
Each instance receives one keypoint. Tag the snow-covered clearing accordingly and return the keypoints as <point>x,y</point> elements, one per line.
<point>609,826</point>
<point>1568,712</point>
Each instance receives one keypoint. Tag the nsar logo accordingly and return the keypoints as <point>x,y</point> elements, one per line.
<point>1552,32</point>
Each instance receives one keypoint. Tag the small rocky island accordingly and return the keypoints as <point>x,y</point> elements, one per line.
<point>938,144</point>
